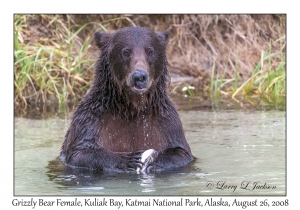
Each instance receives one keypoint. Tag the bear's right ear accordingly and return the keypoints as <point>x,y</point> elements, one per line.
<point>101,39</point>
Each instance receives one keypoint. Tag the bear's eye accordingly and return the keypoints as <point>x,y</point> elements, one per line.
<point>149,51</point>
<point>126,53</point>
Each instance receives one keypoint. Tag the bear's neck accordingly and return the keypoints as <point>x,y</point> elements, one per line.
<point>137,101</point>
<point>134,105</point>
<point>129,104</point>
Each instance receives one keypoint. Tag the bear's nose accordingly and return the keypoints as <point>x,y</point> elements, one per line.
<point>139,78</point>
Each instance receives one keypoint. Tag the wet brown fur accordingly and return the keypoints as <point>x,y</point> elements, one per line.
<point>113,123</point>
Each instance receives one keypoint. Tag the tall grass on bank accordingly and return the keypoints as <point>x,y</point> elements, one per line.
<point>52,68</point>
<point>268,79</point>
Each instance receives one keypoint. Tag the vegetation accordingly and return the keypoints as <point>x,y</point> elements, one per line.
<point>267,83</point>
<point>50,67</point>
<point>236,56</point>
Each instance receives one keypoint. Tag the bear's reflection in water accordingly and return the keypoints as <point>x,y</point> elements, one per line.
<point>83,178</point>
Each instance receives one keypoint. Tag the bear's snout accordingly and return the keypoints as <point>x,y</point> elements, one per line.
<point>139,80</point>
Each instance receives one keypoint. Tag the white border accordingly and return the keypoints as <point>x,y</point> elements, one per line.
<point>142,7</point>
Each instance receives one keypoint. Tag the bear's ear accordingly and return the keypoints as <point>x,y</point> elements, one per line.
<point>101,39</point>
<point>163,37</point>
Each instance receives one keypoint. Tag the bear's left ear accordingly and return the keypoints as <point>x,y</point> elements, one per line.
<point>101,39</point>
<point>163,37</point>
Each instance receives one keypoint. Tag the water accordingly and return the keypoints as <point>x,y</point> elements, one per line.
<point>238,152</point>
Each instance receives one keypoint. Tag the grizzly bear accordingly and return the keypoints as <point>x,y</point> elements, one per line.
<point>127,109</point>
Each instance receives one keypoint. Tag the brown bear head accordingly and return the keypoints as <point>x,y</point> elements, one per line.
<point>136,57</point>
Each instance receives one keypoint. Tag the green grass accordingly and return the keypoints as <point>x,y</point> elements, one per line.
<point>46,67</point>
<point>55,68</point>
<point>268,80</point>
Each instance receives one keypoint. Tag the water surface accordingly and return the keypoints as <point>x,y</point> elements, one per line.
<point>238,152</point>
